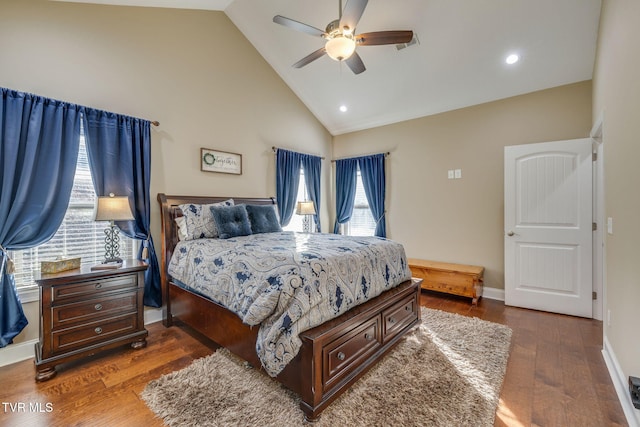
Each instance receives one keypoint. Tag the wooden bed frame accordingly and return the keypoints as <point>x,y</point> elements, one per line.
<point>333,355</point>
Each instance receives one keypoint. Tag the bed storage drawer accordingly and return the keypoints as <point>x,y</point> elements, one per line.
<point>347,351</point>
<point>399,316</point>
<point>342,349</point>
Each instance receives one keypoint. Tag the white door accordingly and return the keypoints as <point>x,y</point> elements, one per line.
<point>548,226</point>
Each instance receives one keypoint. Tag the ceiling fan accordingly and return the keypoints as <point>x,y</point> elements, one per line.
<point>340,37</point>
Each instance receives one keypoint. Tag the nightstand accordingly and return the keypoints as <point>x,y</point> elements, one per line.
<point>83,312</point>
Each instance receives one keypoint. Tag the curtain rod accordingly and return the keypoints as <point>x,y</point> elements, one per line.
<point>387,154</point>
<point>275,149</point>
<point>153,122</point>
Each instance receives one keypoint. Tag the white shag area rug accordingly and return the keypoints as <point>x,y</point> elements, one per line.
<point>447,372</point>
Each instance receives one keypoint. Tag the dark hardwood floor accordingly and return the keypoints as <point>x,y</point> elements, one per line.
<point>555,376</point>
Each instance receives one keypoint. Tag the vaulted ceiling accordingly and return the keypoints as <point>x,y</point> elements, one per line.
<point>458,61</point>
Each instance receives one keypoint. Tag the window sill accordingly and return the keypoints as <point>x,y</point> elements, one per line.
<point>29,294</point>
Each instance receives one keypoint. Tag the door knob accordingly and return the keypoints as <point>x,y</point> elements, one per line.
<point>510,233</point>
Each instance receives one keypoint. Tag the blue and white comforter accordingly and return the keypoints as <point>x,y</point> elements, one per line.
<point>288,282</point>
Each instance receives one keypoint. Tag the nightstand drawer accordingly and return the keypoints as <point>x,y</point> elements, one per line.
<point>90,288</point>
<point>83,336</point>
<point>87,311</point>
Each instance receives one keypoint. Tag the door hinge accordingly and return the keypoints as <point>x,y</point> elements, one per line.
<point>594,295</point>
<point>594,226</point>
<point>594,156</point>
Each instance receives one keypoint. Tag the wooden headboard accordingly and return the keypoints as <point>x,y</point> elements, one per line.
<point>169,211</point>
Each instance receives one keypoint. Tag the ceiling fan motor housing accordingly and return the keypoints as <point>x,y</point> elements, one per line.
<point>333,28</point>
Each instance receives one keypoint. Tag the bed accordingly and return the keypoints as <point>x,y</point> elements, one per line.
<point>331,356</point>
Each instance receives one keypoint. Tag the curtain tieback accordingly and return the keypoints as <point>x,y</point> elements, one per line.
<point>145,249</point>
<point>381,216</point>
<point>10,265</point>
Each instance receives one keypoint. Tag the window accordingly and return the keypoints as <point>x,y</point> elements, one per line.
<point>296,220</point>
<point>78,236</point>
<point>362,222</point>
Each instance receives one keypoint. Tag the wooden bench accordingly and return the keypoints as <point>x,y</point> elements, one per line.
<point>456,279</point>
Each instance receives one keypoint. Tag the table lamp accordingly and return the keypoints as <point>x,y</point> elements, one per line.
<point>112,208</point>
<point>306,208</point>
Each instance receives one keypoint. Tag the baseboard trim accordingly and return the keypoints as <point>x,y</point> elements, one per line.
<point>621,384</point>
<point>14,353</point>
<point>152,315</point>
<point>25,350</point>
<point>493,293</point>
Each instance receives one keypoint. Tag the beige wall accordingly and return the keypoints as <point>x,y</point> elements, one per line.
<point>191,70</point>
<point>461,220</point>
<point>616,91</point>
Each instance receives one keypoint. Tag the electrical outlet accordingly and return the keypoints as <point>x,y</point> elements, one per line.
<point>634,391</point>
<point>458,173</point>
<point>450,174</point>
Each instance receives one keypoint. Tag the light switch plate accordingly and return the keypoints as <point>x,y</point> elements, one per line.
<point>458,173</point>
<point>450,174</point>
<point>610,225</point>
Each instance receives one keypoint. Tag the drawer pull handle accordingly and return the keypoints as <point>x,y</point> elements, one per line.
<point>98,307</point>
<point>392,320</point>
<point>407,307</point>
<point>98,330</point>
<point>99,286</point>
<point>341,355</point>
<point>367,336</point>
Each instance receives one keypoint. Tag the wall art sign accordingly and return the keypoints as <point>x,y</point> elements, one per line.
<point>220,161</point>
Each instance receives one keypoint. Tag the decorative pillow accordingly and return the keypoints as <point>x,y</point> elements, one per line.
<point>263,218</point>
<point>231,221</point>
<point>199,221</point>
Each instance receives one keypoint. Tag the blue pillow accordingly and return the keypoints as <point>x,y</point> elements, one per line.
<point>231,221</point>
<point>263,218</point>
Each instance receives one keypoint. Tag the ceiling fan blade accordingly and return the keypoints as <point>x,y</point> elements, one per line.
<point>352,13</point>
<point>384,37</point>
<point>310,58</point>
<point>354,62</point>
<point>298,26</point>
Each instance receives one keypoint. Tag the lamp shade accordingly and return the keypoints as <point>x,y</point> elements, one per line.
<point>113,208</point>
<point>340,47</point>
<point>306,208</point>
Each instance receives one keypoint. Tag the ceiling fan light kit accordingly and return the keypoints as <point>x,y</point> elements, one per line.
<point>340,42</point>
<point>340,47</point>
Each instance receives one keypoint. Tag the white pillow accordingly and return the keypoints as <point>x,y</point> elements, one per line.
<point>182,228</point>
<point>199,221</point>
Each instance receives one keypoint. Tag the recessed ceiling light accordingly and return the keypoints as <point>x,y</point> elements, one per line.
<point>512,59</point>
<point>343,108</point>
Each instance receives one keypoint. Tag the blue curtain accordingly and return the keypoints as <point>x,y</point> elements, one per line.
<point>373,181</point>
<point>287,180</point>
<point>312,166</point>
<point>119,149</point>
<point>39,140</point>
<point>346,174</point>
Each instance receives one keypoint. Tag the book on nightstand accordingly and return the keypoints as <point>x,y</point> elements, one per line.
<point>107,265</point>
